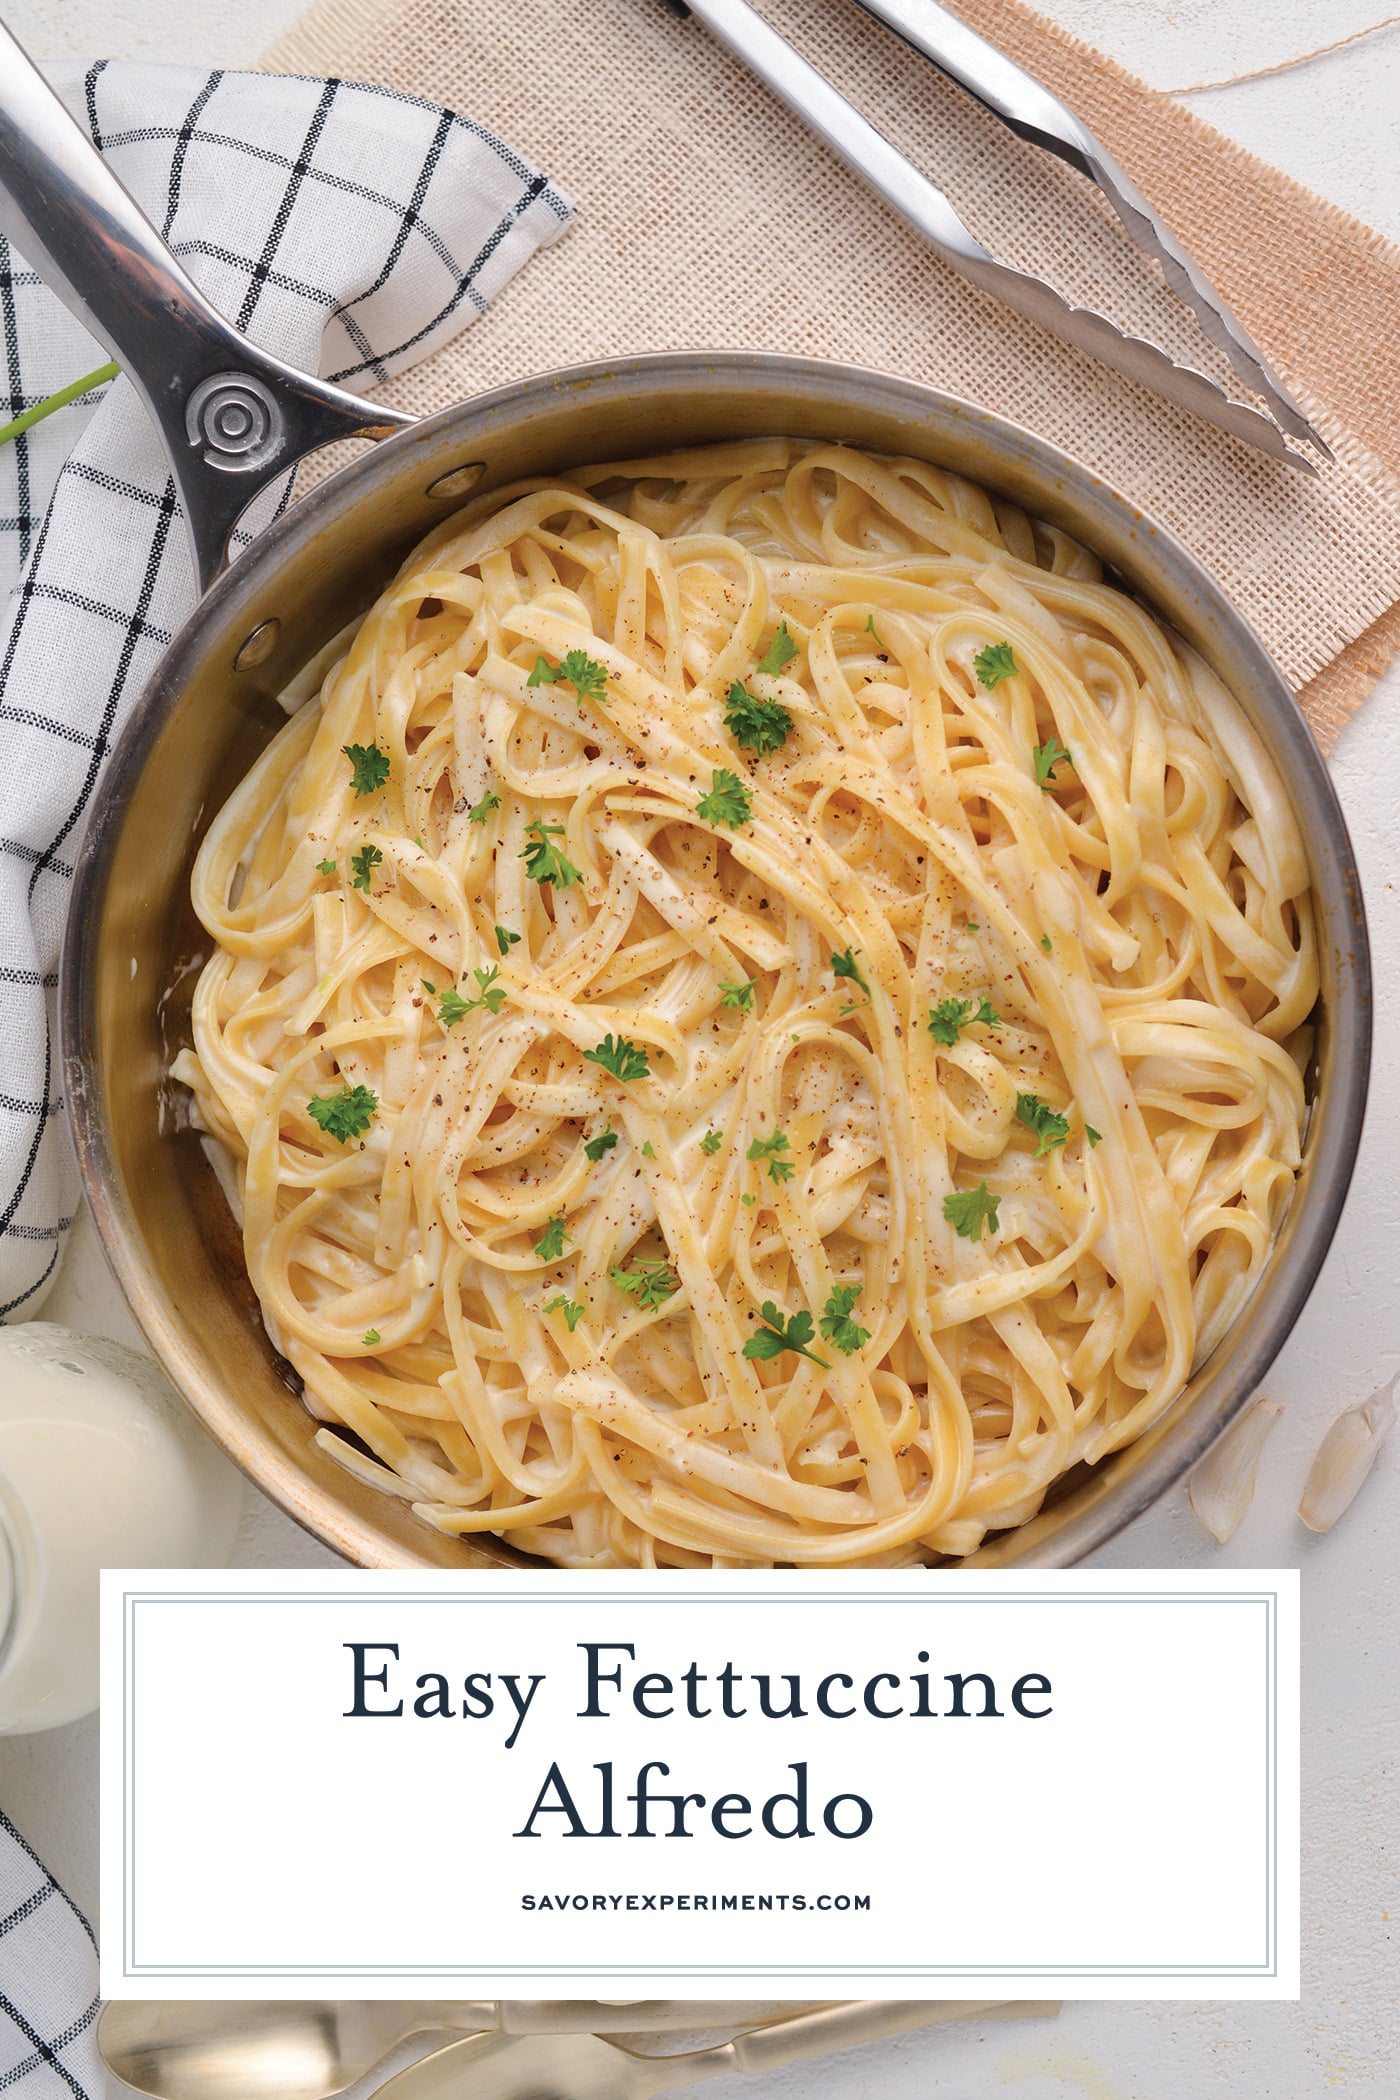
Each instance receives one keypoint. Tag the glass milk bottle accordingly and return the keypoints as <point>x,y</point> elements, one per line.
<point>101,1466</point>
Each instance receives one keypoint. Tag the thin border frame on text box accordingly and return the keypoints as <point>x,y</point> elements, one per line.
<point>134,1969</point>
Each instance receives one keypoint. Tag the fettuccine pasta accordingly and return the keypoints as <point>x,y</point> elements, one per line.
<point>758,1011</point>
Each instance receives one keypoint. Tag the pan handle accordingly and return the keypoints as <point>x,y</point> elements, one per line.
<point>231,416</point>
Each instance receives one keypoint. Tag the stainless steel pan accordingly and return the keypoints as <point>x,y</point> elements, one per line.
<point>231,418</point>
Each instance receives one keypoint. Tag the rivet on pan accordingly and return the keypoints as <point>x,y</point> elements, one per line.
<point>258,646</point>
<point>459,482</point>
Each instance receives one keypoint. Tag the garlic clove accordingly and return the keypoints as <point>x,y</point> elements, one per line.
<point>1222,1486</point>
<point>1345,1456</point>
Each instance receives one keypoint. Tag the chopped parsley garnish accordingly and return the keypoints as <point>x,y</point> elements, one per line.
<point>1095,1137</point>
<point>578,669</point>
<point>1046,943</point>
<point>968,1210</point>
<point>344,1115</point>
<point>739,996</point>
<point>995,662</point>
<point>604,1142</point>
<point>648,1150</point>
<point>651,1283</point>
<point>871,628</point>
<point>325,867</point>
<point>771,1149</point>
<point>836,1322</point>
<point>748,1201</point>
<point>845,965</point>
<point>760,726</point>
<point>625,1060</point>
<point>550,1245</point>
<point>544,862</point>
<point>781,650</point>
<point>364,864</point>
<point>727,801</point>
<point>1046,758</point>
<point>972,925</point>
<point>571,1309</point>
<point>947,1020</point>
<point>480,811</point>
<point>488,993</point>
<point>372,1338</point>
<point>505,939</point>
<point>711,1141</point>
<point>451,1005</point>
<point>777,1334</point>
<point>369,767</point>
<point>1050,1127</point>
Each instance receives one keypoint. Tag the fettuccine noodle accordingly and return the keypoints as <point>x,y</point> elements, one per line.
<point>664,1139</point>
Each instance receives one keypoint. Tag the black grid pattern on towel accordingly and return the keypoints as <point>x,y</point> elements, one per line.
<point>345,227</point>
<point>48,1982</point>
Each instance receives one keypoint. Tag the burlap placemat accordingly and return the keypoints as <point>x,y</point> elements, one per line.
<point>709,217</point>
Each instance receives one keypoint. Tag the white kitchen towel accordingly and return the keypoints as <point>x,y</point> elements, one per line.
<point>48,1983</point>
<point>350,229</point>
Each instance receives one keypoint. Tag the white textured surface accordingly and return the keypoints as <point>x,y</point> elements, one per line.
<point>1335,126</point>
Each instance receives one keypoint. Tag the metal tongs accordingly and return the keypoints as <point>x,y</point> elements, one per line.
<point>1036,115</point>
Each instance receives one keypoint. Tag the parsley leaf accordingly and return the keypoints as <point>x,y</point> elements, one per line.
<point>325,867</point>
<point>481,810</point>
<point>781,650</point>
<point>571,1309</point>
<point>624,1059</point>
<point>1095,1137</point>
<point>364,864</point>
<point>968,1210</point>
<point>836,1322</point>
<point>770,1148</point>
<point>550,1245</point>
<point>488,993</point>
<point>760,726</point>
<point>1050,1127</point>
<point>344,1115</point>
<point>1046,757</point>
<point>545,863</point>
<point>727,802</point>
<point>369,767</point>
<point>505,939</point>
<point>604,1142</point>
<point>451,1005</point>
<point>778,1334</point>
<point>372,1337</point>
<point>739,996</point>
<point>1046,943</point>
<point>871,628</point>
<point>648,1150</point>
<point>845,965</point>
<point>711,1141</point>
<point>651,1283</point>
<point>947,1020</point>
<point>995,662</point>
<point>578,669</point>
<point>748,1200</point>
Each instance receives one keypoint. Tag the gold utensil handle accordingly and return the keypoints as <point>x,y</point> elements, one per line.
<point>839,2026</point>
<point>638,2015</point>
